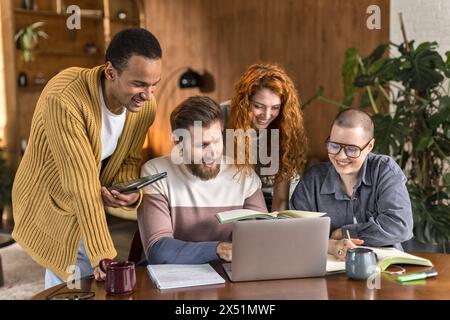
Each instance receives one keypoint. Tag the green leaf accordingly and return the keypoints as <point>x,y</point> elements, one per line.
<point>447,62</point>
<point>375,55</point>
<point>446,67</point>
<point>447,179</point>
<point>432,220</point>
<point>379,64</point>
<point>447,72</point>
<point>42,34</point>
<point>423,143</point>
<point>364,80</point>
<point>423,72</point>
<point>350,70</point>
<point>424,46</point>
<point>36,25</point>
<point>388,70</point>
<point>365,101</point>
<point>316,95</point>
<point>391,133</point>
<point>435,198</point>
<point>442,115</point>
<point>406,64</point>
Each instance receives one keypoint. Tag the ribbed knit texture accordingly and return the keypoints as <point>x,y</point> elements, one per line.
<point>56,193</point>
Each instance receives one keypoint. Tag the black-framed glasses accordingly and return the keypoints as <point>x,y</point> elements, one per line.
<point>74,295</point>
<point>350,150</point>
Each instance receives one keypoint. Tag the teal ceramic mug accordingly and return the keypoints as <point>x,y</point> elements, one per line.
<point>360,263</point>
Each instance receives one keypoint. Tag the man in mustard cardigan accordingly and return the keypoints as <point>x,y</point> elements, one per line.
<point>88,129</point>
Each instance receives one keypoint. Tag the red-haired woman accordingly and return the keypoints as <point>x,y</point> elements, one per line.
<point>265,98</point>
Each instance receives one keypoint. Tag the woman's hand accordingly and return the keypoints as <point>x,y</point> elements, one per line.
<point>339,248</point>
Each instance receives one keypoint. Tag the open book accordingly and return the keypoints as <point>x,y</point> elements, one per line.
<point>386,257</point>
<point>242,214</point>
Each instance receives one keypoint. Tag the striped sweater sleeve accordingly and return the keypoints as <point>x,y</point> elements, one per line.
<point>76,163</point>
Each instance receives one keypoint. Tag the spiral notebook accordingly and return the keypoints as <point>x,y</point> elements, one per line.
<point>170,276</point>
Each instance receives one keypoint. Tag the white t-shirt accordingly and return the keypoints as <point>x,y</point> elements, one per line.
<point>112,127</point>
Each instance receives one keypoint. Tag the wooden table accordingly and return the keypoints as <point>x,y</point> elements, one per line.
<point>331,287</point>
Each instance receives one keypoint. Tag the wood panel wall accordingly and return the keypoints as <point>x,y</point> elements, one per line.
<point>9,72</point>
<point>306,37</point>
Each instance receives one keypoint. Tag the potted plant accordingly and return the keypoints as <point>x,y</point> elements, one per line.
<point>5,182</point>
<point>408,96</point>
<point>28,37</point>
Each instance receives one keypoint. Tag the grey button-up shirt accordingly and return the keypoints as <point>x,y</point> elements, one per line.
<point>379,211</point>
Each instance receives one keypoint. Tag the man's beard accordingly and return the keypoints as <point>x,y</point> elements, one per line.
<point>203,172</point>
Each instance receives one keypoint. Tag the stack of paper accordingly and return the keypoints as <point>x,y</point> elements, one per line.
<point>169,276</point>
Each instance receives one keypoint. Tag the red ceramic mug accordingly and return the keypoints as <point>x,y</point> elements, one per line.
<point>120,276</point>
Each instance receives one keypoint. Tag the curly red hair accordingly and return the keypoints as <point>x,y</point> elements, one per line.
<point>293,141</point>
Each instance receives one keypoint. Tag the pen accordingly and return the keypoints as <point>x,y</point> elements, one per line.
<point>417,276</point>
<point>348,236</point>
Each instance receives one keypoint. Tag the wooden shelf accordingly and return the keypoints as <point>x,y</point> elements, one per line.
<point>69,54</point>
<point>54,14</point>
<point>125,21</point>
<point>32,87</point>
<point>37,12</point>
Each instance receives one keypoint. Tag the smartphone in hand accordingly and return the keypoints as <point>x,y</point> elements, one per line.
<point>136,184</point>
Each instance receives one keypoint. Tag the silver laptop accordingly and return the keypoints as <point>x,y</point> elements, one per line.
<point>279,249</point>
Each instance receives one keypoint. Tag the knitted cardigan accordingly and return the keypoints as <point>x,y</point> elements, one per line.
<point>56,192</point>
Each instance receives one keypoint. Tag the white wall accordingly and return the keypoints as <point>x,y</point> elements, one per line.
<point>425,20</point>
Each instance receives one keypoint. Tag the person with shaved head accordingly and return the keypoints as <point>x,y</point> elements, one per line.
<point>362,192</point>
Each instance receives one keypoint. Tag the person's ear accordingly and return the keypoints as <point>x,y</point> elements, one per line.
<point>110,72</point>
<point>371,145</point>
<point>177,141</point>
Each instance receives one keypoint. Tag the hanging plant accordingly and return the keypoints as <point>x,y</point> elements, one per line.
<point>28,37</point>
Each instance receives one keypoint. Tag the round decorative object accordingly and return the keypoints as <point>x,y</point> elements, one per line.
<point>121,15</point>
<point>40,79</point>
<point>23,79</point>
<point>90,48</point>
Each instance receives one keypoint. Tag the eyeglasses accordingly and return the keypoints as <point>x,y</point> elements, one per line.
<point>350,150</point>
<point>76,295</point>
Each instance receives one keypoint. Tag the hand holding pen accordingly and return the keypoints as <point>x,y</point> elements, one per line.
<point>345,244</point>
